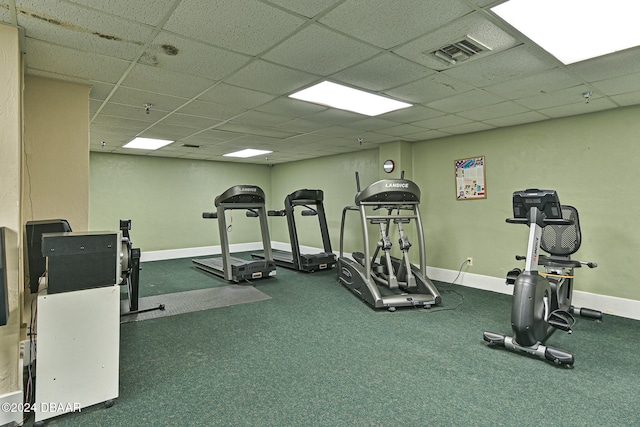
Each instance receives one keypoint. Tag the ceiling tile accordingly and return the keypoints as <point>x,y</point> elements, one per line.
<point>517,62</point>
<point>553,99</point>
<point>615,64</point>
<point>545,82</point>
<point>308,8</point>
<point>578,108</point>
<point>442,122</point>
<point>271,78</point>
<point>431,88</point>
<point>138,98</point>
<point>618,85</point>
<point>211,110</point>
<point>261,119</point>
<point>465,101</point>
<point>246,26</point>
<point>69,62</point>
<point>317,50</point>
<point>494,111</point>
<point>236,96</point>
<point>194,122</point>
<point>76,27</point>
<point>475,26</point>
<point>148,11</point>
<point>382,72</point>
<point>517,119</point>
<point>390,23</point>
<point>290,107</point>
<point>191,57</point>
<point>158,80</point>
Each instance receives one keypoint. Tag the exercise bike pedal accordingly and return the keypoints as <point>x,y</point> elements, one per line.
<point>562,320</point>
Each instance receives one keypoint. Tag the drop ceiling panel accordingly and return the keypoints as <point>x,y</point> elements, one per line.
<point>514,63</point>
<point>221,72</point>
<point>475,25</point>
<point>389,23</point>
<point>172,52</point>
<point>290,107</point>
<point>618,85</point>
<point>154,79</point>
<point>486,112</point>
<point>517,119</point>
<point>382,72</point>
<point>211,110</point>
<point>73,63</point>
<point>76,27</point>
<point>608,66</point>
<point>236,96</point>
<point>308,8</point>
<point>194,122</point>
<point>578,108</point>
<point>137,98</point>
<point>147,12</point>
<point>545,82</point>
<point>261,119</point>
<point>466,101</point>
<point>553,99</point>
<point>246,26</point>
<point>318,50</point>
<point>100,91</point>
<point>271,78</point>
<point>429,89</point>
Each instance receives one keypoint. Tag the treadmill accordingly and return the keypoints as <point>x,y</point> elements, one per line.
<point>251,198</point>
<point>312,200</point>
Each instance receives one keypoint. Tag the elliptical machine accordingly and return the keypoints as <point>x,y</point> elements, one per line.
<point>387,282</point>
<point>542,301</point>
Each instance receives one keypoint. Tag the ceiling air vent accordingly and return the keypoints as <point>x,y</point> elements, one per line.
<point>190,146</point>
<point>459,51</point>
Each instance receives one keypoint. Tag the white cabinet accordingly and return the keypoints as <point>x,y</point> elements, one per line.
<point>78,340</point>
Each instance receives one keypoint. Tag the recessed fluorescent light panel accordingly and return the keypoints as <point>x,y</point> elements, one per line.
<point>147,143</point>
<point>247,152</point>
<point>575,30</point>
<point>346,98</point>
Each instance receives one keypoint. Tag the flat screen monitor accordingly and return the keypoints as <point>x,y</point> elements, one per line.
<point>545,200</point>
<point>37,264</point>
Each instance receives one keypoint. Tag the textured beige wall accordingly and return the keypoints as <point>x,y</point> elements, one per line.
<point>56,151</point>
<point>10,143</point>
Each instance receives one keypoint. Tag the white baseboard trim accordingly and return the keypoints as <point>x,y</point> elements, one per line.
<point>615,306</point>
<point>14,399</point>
<point>196,252</point>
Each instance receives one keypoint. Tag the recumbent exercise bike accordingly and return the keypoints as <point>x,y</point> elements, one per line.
<point>542,301</point>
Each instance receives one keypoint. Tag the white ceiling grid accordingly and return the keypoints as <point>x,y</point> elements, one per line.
<point>218,74</point>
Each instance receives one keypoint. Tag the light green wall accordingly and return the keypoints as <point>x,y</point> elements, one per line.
<point>589,159</point>
<point>165,198</point>
<point>335,176</point>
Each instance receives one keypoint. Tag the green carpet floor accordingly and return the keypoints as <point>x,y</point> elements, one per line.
<point>316,355</point>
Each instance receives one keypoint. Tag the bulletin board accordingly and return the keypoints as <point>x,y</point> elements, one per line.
<point>470,178</point>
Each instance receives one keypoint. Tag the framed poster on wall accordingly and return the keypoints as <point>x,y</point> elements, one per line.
<point>470,178</point>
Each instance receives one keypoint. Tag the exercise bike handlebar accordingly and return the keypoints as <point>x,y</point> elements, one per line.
<point>575,263</point>
<point>547,221</point>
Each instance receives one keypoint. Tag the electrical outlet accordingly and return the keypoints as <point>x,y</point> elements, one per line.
<point>469,261</point>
